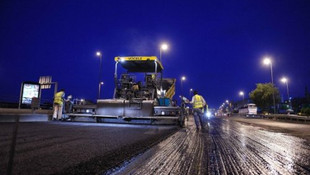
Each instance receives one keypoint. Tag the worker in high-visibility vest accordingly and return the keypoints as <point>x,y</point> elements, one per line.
<point>198,103</point>
<point>58,104</point>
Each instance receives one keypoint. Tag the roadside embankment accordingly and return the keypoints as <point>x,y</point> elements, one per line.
<point>25,115</point>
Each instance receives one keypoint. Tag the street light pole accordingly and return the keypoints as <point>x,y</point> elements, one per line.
<point>273,97</point>
<point>190,92</point>
<point>163,47</point>
<point>241,93</point>
<point>183,78</point>
<point>267,61</point>
<point>99,91</point>
<point>100,71</point>
<point>285,80</point>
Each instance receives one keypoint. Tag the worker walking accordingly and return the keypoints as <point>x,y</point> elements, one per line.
<point>58,104</point>
<point>198,103</point>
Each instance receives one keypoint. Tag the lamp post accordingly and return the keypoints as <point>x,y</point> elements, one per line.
<point>285,81</point>
<point>267,61</point>
<point>183,78</point>
<point>190,92</point>
<point>99,91</point>
<point>241,93</point>
<point>162,48</point>
<point>100,71</point>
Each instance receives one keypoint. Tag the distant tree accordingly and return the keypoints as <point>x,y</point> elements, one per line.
<point>262,95</point>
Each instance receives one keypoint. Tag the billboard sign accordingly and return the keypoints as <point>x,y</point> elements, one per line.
<point>45,82</point>
<point>29,90</point>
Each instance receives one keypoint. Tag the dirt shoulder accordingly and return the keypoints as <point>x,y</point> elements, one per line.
<point>297,129</point>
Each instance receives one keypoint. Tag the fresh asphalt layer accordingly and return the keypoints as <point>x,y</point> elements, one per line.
<point>74,147</point>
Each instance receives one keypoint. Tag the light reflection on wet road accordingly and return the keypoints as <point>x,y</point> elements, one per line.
<point>227,147</point>
<point>243,149</point>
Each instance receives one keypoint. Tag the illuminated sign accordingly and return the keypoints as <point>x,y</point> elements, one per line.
<point>29,91</point>
<point>136,58</point>
<point>45,82</point>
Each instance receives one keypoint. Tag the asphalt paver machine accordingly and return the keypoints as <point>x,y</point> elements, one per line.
<point>147,100</point>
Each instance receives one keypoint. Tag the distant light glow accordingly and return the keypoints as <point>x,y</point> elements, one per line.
<point>267,61</point>
<point>101,82</point>
<point>284,80</point>
<point>183,78</point>
<point>98,53</point>
<point>227,101</point>
<point>164,46</point>
<point>208,114</point>
<point>241,93</point>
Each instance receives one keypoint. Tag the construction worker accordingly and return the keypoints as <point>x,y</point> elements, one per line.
<point>58,104</point>
<point>198,103</point>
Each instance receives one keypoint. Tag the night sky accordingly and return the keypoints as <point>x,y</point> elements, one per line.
<point>217,45</point>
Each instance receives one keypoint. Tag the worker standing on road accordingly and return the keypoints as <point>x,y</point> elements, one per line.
<point>198,103</point>
<point>58,104</point>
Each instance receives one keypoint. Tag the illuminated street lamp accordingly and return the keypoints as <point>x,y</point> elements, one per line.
<point>183,78</point>
<point>162,48</point>
<point>99,91</point>
<point>267,61</point>
<point>241,93</point>
<point>100,71</point>
<point>285,81</point>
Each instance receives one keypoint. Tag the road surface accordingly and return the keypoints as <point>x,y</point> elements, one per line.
<point>226,147</point>
<point>74,147</point>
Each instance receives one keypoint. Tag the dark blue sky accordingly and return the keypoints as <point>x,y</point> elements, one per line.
<point>218,45</point>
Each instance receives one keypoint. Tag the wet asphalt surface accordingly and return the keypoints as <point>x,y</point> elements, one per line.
<point>75,148</point>
<point>224,147</point>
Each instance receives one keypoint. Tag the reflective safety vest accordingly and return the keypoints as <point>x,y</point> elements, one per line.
<point>198,103</point>
<point>58,97</point>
